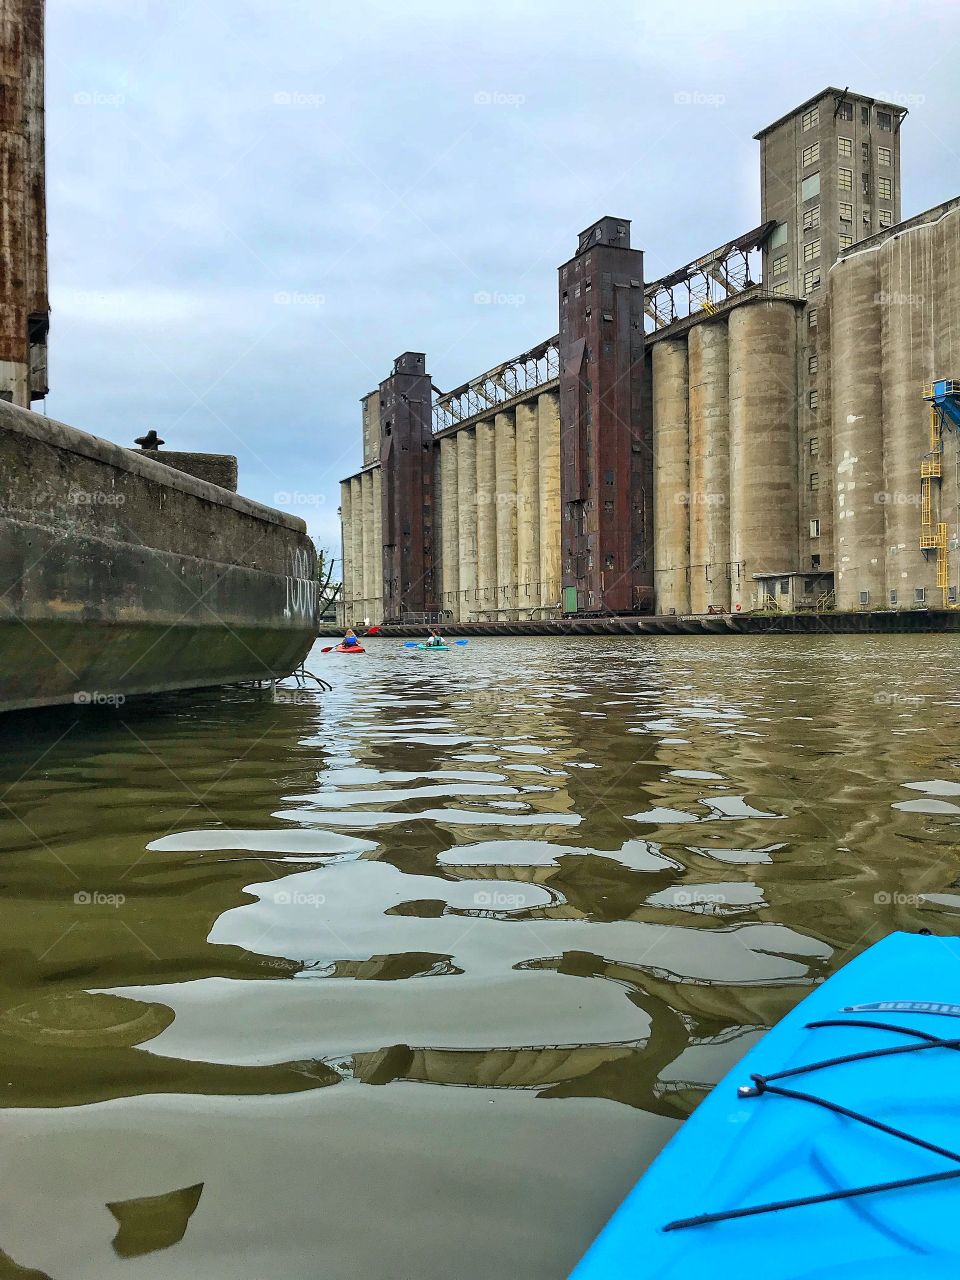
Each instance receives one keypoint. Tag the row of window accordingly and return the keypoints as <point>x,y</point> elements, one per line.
<point>884,185</point>
<point>810,185</point>
<point>919,596</point>
<point>810,119</point>
<point>845,148</point>
<point>811,219</point>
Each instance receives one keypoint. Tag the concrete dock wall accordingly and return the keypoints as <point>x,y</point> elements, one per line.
<point>119,575</point>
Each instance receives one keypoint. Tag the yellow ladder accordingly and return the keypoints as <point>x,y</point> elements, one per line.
<point>931,469</point>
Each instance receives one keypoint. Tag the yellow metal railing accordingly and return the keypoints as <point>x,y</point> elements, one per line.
<point>936,430</point>
<point>926,503</point>
<point>931,469</point>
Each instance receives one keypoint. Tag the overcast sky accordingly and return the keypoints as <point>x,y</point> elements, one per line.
<point>253,207</point>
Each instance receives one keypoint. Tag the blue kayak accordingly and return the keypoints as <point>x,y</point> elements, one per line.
<point>831,1150</point>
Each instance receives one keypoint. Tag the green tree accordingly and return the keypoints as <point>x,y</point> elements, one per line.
<point>328,589</point>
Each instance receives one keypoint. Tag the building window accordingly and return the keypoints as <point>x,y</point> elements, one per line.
<point>811,218</point>
<point>885,156</point>
<point>846,180</point>
<point>893,597</point>
<point>810,119</point>
<point>811,281</point>
<point>846,213</point>
<point>814,562</point>
<point>812,318</point>
<point>814,481</point>
<point>814,446</point>
<point>866,215</point>
<point>885,188</point>
<point>810,187</point>
<point>778,236</point>
<point>865,183</point>
<point>920,595</point>
<point>886,217</point>
<point>864,597</point>
<point>864,116</point>
<point>845,241</point>
<point>779,265</point>
<point>813,399</point>
<point>813,364</point>
<point>951,595</point>
<point>780,290</point>
<point>811,250</point>
<point>845,111</point>
<point>884,121</point>
<point>814,528</point>
<point>845,146</point>
<point>865,152</point>
<point>810,155</point>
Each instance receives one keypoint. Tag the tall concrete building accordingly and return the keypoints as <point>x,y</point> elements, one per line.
<point>829,177</point>
<point>754,428</point>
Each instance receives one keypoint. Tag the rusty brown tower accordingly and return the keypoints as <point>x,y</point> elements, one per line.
<point>407,466</point>
<point>606,478</point>
<point>24,307</point>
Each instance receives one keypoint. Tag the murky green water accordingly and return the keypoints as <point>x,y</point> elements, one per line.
<point>414,978</point>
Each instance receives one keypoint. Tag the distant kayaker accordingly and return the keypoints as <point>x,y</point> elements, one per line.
<point>350,639</point>
<point>435,640</point>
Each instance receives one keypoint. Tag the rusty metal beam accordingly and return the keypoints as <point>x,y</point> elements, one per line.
<point>505,382</point>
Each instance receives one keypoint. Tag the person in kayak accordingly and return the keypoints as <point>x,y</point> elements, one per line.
<point>350,639</point>
<point>435,640</point>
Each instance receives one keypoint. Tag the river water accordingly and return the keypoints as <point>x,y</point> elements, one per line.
<point>413,978</point>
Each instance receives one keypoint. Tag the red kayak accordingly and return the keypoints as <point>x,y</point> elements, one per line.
<point>349,648</point>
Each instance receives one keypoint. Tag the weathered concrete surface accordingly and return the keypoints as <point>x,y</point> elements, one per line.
<point>671,481</point>
<point>215,468</point>
<point>505,511</point>
<point>548,440</point>
<point>763,444</point>
<point>119,575</point>
<point>528,507</point>
<point>449,528</point>
<point>486,507</point>
<point>708,356</point>
<point>853,290</point>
